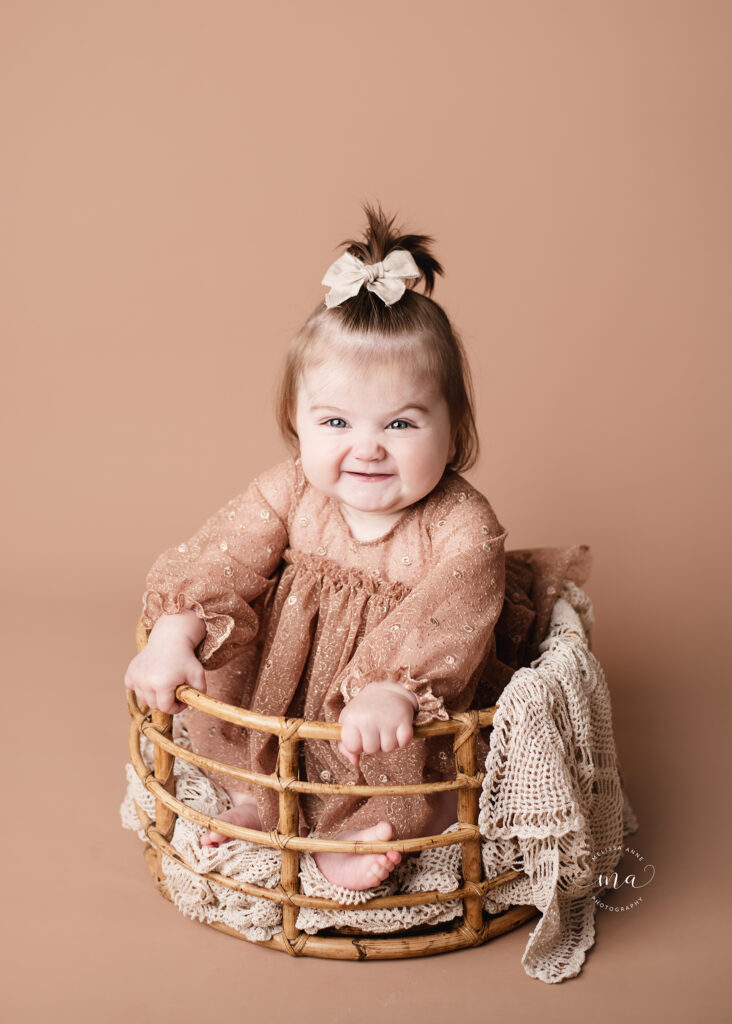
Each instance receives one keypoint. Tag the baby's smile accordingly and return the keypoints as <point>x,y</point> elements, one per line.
<point>370,477</point>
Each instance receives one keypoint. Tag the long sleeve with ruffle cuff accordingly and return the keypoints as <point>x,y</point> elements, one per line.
<point>219,627</point>
<point>437,640</point>
<point>430,707</point>
<point>222,571</point>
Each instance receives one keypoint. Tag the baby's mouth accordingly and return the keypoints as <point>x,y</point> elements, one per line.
<point>369,476</point>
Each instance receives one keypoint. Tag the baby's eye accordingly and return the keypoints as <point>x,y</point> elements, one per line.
<point>403,422</point>
<point>334,421</point>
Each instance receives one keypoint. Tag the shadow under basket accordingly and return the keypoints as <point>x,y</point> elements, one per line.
<point>473,928</point>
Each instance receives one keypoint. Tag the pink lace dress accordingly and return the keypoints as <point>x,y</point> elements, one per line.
<point>300,616</point>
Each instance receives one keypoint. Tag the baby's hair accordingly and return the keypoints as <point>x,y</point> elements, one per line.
<point>362,330</point>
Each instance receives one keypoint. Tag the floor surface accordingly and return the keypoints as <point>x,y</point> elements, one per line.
<point>89,924</point>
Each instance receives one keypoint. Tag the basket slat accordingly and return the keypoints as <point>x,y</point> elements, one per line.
<point>163,773</point>
<point>465,746</point>
<point>289,826</point>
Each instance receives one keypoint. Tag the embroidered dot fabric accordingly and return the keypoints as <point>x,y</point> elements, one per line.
<point>300,616</point>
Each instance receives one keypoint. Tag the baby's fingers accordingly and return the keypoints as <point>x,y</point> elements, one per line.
<point>132,681</point>
<point>147,695</point>
<point>392,738</point>
<point>389,739</point>
<point>196,677</point>
<point>404,733</point>
<point>370,738</point>
<point>353,758</point>
<point>144,696</point>
<point>350,744</point>
<point>166,700</point>
<point>168,704</point>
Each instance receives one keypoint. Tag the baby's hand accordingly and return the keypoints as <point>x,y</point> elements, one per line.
<point>378,718</point>
<point>166,662</point>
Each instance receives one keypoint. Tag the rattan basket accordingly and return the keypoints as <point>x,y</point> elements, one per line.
<point>473,929</point>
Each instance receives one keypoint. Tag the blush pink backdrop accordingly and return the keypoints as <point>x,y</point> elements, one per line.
<point>175,180</point>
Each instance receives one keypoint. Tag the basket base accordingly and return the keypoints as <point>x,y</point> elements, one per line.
<point>344,943</point>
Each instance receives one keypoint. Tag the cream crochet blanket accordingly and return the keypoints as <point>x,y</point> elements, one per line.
<point>553,801</point>
<point>552,805</point>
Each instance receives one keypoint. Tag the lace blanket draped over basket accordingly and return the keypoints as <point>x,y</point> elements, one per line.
<point>552,805</point>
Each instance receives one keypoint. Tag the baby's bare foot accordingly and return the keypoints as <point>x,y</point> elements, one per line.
<point>359,870</point>
<point>244,812</point>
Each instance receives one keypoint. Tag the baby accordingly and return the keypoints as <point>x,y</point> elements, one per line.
<point>358,581</point>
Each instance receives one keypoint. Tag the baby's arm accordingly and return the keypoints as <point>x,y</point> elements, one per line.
<point>200,606</point>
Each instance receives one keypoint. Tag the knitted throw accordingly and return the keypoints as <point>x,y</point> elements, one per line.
<point>552,805</point>
<point>553,802</point>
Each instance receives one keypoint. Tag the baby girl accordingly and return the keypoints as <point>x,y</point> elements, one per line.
<point>359,581</point>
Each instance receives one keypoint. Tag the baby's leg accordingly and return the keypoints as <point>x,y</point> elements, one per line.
<point>227,743</point>
<point>364,870</point>
<point>244,812</point>
<point>444,814</point>
<point>382,816</point>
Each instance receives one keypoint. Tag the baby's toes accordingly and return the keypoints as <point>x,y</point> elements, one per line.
<point>386,864</point>
<point>378,873</point>
<point>213,839</point>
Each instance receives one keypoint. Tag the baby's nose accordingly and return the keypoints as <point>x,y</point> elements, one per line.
<point>367,447</point>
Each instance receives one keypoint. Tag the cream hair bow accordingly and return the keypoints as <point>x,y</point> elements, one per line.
<point>348,273</point>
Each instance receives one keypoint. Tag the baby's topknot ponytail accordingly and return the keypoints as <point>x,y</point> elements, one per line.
<point>381,237</point>
<point>365,312</point>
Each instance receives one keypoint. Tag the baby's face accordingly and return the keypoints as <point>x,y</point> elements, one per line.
<point>376,442</point>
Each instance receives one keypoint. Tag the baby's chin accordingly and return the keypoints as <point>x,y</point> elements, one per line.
<point>375,498</point>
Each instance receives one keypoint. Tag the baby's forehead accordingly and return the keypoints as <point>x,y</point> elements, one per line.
<point>402,384</point>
